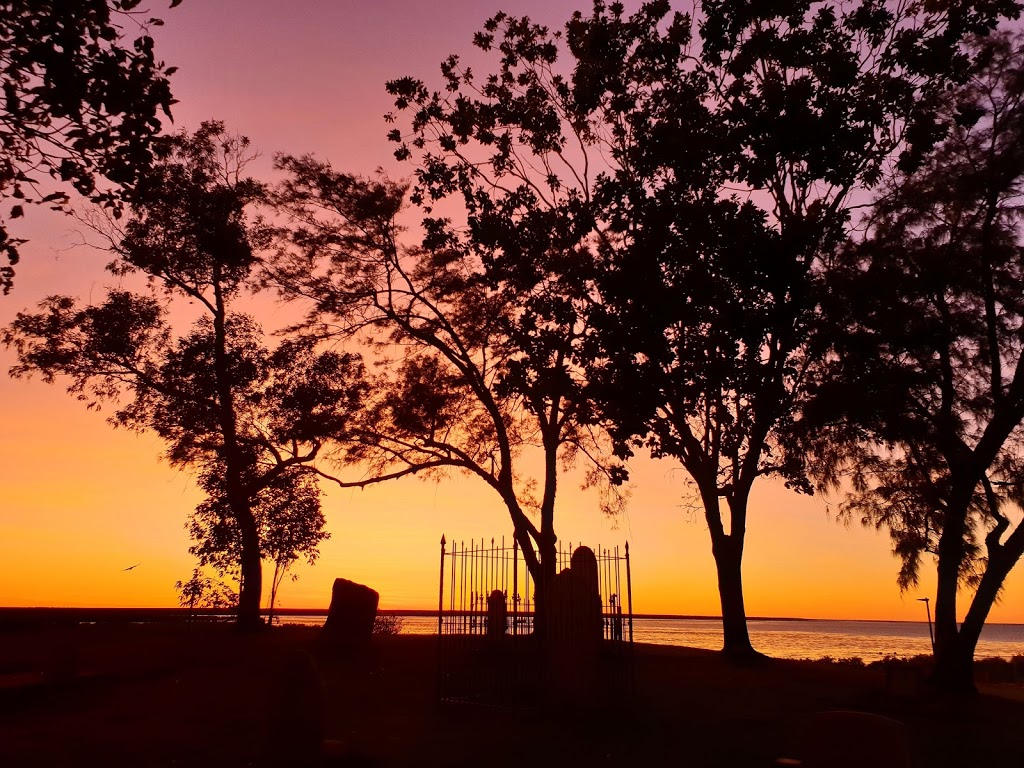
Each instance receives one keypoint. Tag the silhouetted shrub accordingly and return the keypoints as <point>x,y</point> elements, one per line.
<point>387,625</point>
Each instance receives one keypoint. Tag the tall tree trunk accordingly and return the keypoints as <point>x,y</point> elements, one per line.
<point>952,671</point>
<point>954,665</point>
<point>727,549</point>
<point>954,657</point>
<point>252,573</point>
<point>547,542</point>
<point>728,564</point>
<point>543,574</point>
<point>251,590</point>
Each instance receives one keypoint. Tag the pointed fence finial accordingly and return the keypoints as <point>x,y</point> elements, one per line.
<point>443,542</point>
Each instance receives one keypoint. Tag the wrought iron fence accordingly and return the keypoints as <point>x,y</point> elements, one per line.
<point>485,619</point>
<point>471,572</point>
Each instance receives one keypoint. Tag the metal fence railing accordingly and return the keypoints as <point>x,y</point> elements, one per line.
<point>486,612</point>
<point>472,572</point>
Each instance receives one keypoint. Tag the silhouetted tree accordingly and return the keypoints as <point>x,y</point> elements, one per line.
<point>288,516</point>
<point>701,179</point>
<point>387,625</point>
<point>477,365</point>
<point>204,592</point>
<point>513,172</point>
<point>78,104</point>
<point>243,414</point>
<point>925,393</point>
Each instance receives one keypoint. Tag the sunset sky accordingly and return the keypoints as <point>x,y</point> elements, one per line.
<point>79,501</point>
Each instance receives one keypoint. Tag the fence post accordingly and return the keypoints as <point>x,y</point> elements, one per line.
<point>440,589</point>
<point>515,585</point>
<point>629,593</point>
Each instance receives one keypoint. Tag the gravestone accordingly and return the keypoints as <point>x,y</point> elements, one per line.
<point>575,628</point>
<point>576,602</point>
<point>350,618</point>
<point>497,614</point>
<point>586,594</point>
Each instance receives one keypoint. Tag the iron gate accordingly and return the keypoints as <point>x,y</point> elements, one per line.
<point>488,653</point>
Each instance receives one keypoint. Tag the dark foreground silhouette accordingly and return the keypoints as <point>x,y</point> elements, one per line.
<point>205,695</point>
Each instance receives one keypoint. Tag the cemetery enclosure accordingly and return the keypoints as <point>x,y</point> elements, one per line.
<point>488,651</point>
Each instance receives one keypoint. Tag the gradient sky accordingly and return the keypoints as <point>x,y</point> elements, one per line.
<point>79,501</point>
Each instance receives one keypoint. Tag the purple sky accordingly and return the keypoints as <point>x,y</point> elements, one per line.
<point>308,76</point>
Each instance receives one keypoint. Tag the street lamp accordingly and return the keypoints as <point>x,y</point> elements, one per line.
<point>928,609</point>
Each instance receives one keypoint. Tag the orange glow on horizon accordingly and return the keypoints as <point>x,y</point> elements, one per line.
<point>101,502</point>
<point>81,501</point>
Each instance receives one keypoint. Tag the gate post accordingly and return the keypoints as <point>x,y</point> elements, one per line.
<point>515,585</point>
<point>629,593</point>
<point>440,589</point>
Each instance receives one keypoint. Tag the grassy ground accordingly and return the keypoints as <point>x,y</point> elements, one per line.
<point>201,695</point>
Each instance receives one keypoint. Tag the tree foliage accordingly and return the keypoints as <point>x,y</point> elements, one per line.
<point>475,363</point>
<point>201,591</point>
<point>924,399</point>
<point>289,519</point>
<point>80,104</point>
<point>784,111</point>
<point>676,190</point>
<point>249,418</point>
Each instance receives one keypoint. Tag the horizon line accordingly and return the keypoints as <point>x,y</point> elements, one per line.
<point>121,611</point>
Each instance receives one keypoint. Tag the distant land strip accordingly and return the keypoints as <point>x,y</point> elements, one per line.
<point>11,618</point>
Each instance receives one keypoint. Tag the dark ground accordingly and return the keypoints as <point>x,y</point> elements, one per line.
<point>179,694</point>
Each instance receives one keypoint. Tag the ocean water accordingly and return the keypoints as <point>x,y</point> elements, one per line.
<point>797,639</point>
<point>814,639</point>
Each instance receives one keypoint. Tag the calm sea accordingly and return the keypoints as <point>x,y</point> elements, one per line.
<point>800,639</point>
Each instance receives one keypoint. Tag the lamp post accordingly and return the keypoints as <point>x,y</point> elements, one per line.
<point>928,609</point>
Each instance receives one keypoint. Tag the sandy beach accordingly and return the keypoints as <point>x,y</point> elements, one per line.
<point>181,694</point>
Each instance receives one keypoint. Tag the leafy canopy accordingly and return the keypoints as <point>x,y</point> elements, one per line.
<point>80,104</point>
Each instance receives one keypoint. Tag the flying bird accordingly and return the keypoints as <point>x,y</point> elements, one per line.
<point>130,567</point>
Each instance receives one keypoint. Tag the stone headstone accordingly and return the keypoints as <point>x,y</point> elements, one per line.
<point>575,609</point>
<point>584,567</point>
<point>586,595</point>
<point>575,627</point>
<point>353,610</point>
<point>497,614</point>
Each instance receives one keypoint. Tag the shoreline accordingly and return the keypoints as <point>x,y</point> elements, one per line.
<point>863,641</point>
<point>10,614</point>
<point>32,615</point>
